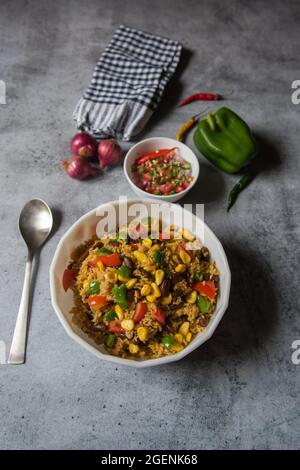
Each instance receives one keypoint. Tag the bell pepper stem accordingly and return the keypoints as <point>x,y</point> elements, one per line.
<point>211,121</point>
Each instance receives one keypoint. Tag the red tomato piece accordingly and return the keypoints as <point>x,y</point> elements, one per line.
<point>96,301</point>
<point>167,188</point>
<point>140,311</point>
<point>69,277</point>
<point>93,262</point>
<point>147,177</point>
<point>178,189</point>
<point>111,260</point>
<point>160,316</point>
<point>115,327</point>
<point>206,288</point>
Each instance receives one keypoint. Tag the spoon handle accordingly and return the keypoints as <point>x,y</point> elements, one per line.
<point>17,350</point>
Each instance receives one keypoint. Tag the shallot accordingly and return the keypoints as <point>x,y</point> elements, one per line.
<point>78,168</point>
<point>83,145</point>
<point>109,153</point>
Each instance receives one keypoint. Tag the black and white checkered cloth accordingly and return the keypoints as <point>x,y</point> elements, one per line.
<point>128,83</point>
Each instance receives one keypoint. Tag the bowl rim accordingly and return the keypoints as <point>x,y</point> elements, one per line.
<point>167,197</point>
<point>147,362</point>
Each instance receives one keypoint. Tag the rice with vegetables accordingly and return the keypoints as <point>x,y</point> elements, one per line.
<point>145,297</point>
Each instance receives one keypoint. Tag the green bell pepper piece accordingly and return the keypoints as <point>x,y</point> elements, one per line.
<point>119,293</point>
<point>198,276</point>
<point>110,340</point>
<point>158,257</point>
<point>203,304</point>
<point>94,288</point>
<point>124,271</point>
<point>225,140</point>
<point>110,316</point>
<point>103,251</point>
<point>168,341</point>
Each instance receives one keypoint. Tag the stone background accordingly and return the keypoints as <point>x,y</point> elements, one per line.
<point>240,390</point>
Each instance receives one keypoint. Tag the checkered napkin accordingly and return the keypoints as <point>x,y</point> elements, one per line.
<point>128,83</point>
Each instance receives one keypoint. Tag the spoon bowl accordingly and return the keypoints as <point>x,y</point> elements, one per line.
<point>35,223</point>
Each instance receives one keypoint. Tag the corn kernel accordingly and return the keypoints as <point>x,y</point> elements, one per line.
<point>86,284</point>
<point>147,243</point>
<point>133,348</point>
<point>159,275</point>
<point>177,347</point>
<point>142,333</point>
<point>188,337</point>
<point>100,266</point>
<point>119,312</point>
<point>151,298</point>
<point>173,246</point>
<point>187,235</point>
<point>150,268</point>
<point>167,300</point>
<point>131,283</point>
<point>155,290</point>
<point>146,289</point>
<point>122,279</point>
<point>191,297</point>
<point>178,337</point>
<point>184,328</point>
<point>155,247</point>
<point>185,257</point>
<point>127,324</point>
<point>180,268</point>
<point>111,276</point>
<point>141,257</point>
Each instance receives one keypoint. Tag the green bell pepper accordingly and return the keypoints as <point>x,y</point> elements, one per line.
<point>225,140</point>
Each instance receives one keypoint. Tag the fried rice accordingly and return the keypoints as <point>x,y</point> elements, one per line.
<point>145,297</point>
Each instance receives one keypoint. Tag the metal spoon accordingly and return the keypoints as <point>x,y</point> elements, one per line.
<point>35,224</point>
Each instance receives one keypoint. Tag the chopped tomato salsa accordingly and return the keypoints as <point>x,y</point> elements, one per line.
<point>163,172</point>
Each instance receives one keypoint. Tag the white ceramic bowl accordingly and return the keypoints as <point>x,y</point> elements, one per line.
<point>155,143</point>
<point>62,301</point>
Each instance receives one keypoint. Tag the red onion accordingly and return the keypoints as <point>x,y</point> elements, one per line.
<point>78,168</point>
<point>83,145</point>
<point>109,153</point>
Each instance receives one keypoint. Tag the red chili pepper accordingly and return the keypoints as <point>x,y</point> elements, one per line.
<point>152,155</point>
<point>200,97</point>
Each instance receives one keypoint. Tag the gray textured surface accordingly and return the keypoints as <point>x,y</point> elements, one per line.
<point>240,390</point>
